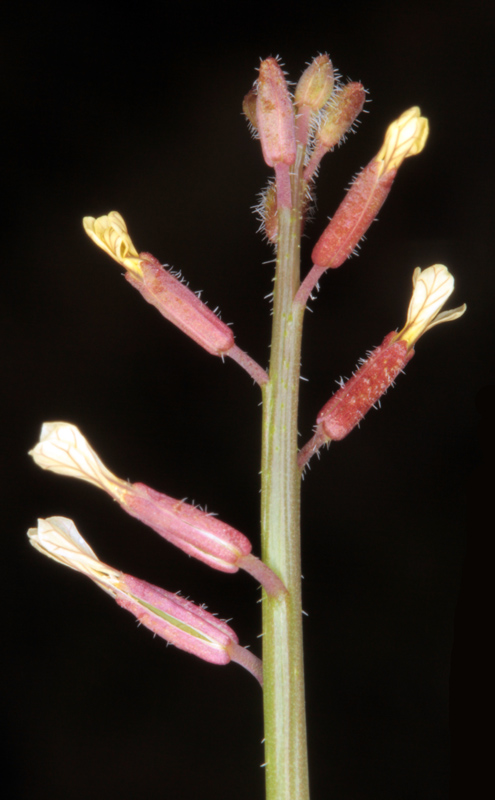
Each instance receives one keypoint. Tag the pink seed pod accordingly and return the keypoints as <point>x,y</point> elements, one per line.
<point>177,303</point>
<point>353,400</point>
<point>192,530</point>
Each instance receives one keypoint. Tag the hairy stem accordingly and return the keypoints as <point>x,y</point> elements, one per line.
<point>283,673</point>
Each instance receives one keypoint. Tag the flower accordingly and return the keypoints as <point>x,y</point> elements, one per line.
<point>405,137</point>
<point>110,233</point>
<point>63,449</point>
<point>432,287</point>
<point>179,621</point>
<point>173,299</point>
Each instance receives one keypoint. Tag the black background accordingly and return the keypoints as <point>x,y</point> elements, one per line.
<point>139,111</point>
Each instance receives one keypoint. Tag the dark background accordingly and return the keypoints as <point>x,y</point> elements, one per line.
<point>139,111</point>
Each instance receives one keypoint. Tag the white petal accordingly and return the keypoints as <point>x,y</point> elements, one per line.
<point>63,449</point>
<point>432,287</point>
<point>58,538</point>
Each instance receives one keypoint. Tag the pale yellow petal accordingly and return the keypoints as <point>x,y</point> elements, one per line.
<point>110,233</point>
<point>405,137</point>
<point>58,538</point>
<point>432,288</point>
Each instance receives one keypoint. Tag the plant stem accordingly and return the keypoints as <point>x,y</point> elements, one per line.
<point>283,673</point>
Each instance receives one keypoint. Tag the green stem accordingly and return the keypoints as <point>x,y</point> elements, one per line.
<point>283,673</point>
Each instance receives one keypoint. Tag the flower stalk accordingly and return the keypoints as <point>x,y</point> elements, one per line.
<point>283,669</point>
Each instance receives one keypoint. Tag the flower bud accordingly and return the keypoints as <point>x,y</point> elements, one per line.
<point>249,109</point>
<point>340,115</point>
<point>177,620</point>
<point>173,299</point>
<point>275,115</point>
<point>336,120</point>
<point>405,137</point>
<point>315,84</point>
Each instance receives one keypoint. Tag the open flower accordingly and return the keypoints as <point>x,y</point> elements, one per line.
<point>177,620</point>
<point>173,299</point>
<point>63,449</point>
<point>348,406</point>
<point>432,288</point>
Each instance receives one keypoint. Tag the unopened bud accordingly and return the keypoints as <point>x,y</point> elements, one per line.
<point>177,620</point>
<point>267,212</point>
<point>249,109</point>
<point>275,115</point>
<point>315,84</point>
<point>340,115</point>
<point>335,122</point>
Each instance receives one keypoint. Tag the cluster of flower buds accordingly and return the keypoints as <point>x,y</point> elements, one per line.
<point>179,621</point>
<point>63,449</point>
<point>301,131</point>
<point>431,289</point>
